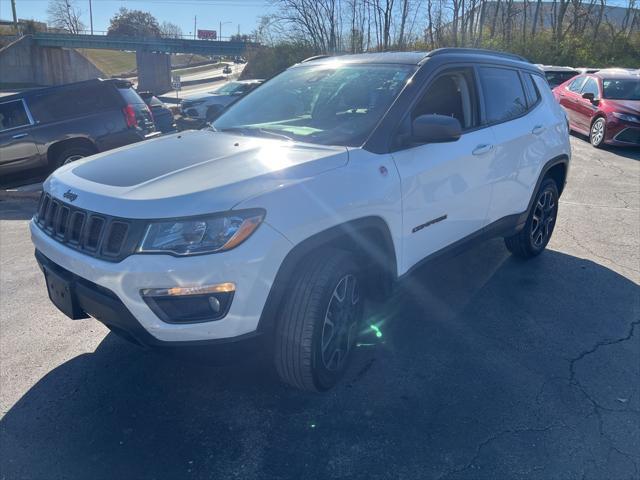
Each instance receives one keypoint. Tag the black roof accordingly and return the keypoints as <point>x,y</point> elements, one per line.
<point>416,58</point>
<point>407,58</point>
<point>119,83</point>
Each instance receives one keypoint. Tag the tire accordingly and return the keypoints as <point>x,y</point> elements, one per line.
<point>313,316</point>
<point>598,132</point>
<point>72,154</point>
<point>537,231</point>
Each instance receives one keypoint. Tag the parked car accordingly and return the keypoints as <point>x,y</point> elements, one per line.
<point>557,75</point>
<point>162,115</point>
<point>308,196</point>
<point>605,106</point>
<point>583,70</point>
<point>227,70</point>
<point>208,106</point>
<point>48,127</point>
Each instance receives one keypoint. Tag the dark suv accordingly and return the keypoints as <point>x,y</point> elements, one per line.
<point>44,128</point>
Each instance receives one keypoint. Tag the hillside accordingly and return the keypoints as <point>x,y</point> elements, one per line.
<point>115,62</point>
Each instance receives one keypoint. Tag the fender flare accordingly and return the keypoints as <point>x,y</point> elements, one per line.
<point>559,160</point>
<point>370,237</point>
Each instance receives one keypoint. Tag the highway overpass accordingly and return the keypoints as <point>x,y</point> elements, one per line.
<point>46,58</point>
<point>141,44</point>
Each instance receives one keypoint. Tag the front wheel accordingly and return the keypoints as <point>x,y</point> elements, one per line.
<point>535,235</point>
<point>318,322</point>
<point>598,130</point>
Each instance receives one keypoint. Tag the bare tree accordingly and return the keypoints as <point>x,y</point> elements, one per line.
<point>170,30</point>
<point>65,15</point>
<point>403,22</point>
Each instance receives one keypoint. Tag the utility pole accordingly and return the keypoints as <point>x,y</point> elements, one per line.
<point>15,16</point>
<point>195,23</point>
<point>90,16</point>
<point>220,31</point>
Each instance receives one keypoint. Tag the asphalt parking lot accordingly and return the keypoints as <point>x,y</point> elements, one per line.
<point>487,368</point>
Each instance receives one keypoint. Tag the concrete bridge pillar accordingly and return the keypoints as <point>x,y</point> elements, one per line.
<point>24,62</point>
<point>154,71</point>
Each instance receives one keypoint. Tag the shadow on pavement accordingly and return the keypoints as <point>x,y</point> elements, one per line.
<point>17,208</point>
<point>487,367</point>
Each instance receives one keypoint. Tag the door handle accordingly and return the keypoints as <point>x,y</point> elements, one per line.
<point>482,149</point>
<point>538,129</point>
<point>20,135</point>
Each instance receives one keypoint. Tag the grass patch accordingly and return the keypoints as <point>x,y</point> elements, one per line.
<point>111,62</point>
<point>116,62</point>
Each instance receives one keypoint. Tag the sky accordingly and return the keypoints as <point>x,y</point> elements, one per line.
<point>210,13</point>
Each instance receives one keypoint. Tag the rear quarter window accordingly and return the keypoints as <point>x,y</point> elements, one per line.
<point>530,90</point>
<point>130,96</point>
<point>504,95</point>
<point>71,102</point>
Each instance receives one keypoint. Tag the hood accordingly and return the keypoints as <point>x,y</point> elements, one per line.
<point>630,106</point>
<point>189,173</point>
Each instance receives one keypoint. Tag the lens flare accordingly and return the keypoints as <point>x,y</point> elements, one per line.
<point>377,330</point>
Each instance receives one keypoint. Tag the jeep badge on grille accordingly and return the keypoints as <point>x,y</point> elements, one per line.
<point>69,195</point>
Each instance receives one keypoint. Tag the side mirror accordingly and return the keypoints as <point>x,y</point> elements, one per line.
<point>589,96</point>
<point>434,128</point>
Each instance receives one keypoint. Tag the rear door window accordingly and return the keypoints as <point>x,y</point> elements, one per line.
<point>504,96</point>
<point>71,102</point>
<point>13,115</point>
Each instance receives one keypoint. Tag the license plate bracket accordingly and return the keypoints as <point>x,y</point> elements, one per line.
<point>62,294</point>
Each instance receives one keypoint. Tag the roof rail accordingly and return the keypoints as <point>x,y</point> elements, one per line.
<point>480,51</point>
<point>315,57</point>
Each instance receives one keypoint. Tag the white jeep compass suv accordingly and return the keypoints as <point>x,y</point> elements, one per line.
<point>320,188</point>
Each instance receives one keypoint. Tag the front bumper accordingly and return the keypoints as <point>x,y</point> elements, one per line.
<point>622,133</point>
<point>251,266</point>
<point>105,306</point>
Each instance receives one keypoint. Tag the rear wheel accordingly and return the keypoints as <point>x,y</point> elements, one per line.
<point>71,154</point>
<point>318,323</point>
<point>597,132</point>
<point>535,235</point>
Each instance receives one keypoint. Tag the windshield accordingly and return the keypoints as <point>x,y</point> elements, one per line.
<point>327,104</point>
<point>621,88</point>
<point>232,89</point>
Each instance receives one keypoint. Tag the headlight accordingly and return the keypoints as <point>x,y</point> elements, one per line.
<point>627,117</point>
<point>191,236</point>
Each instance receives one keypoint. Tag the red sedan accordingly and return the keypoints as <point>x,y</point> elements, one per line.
<point>604,105</point>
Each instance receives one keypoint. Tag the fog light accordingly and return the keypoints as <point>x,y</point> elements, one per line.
<point>190,304</point>
<point>214,303</point>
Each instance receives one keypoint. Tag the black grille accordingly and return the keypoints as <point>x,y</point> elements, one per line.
<point>629,135</point>
<point>95,234</point>
<point>115,238</point>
